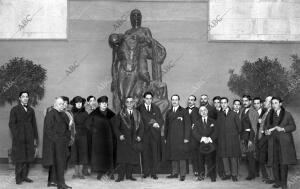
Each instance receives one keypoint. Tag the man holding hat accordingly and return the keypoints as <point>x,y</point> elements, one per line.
<point>203,131</point>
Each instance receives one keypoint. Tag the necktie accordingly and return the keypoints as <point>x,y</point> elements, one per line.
<point>174,110</point>
<point>25,107</point>
<point>204,121</point>
<point>148,107</point>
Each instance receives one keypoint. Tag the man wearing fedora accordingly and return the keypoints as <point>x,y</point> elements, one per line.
<point>203,131</point>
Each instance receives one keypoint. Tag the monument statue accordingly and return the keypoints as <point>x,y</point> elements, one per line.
<point>131,53</point>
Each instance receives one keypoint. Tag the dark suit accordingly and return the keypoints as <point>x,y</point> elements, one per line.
<point>23,128</point>
<point>128,150</point>
<point>55,145</point>
<point>202,129</point>
<point>213,113</point>
<point>281,146</point>
<point>210,110</point>
<point>248,134</point>
<point>151,138</point>
<point>260,149</point>
<point>194,116</point>
<point>177,128</point>
<point>228,129</point>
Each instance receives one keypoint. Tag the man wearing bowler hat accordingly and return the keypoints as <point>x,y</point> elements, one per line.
<point>203,131</point>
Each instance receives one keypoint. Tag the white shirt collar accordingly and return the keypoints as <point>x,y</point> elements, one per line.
<point>259,111</point>
<point>247,109</point>
<point>129,111</point>
<point>175,108</point>
<point>192,106</point>
<point>278,112</point>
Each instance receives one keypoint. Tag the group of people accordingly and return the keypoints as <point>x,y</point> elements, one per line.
<point>94,139</point>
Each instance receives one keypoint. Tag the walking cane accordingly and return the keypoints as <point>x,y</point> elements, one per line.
<point>141,166</point>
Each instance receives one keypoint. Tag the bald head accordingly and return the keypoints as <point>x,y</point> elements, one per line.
<point>203,111</point>
<point>58,104</point>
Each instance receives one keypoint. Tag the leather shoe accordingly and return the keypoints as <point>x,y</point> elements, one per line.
<point>213,179</point>
<point>276,186</point>
<point>64,186</point>
<point>18,182</point>
<point>250,178</point>
<point>199,178</point>
<point>226,177</point>
<point>173,176</point>
<point>99,176</point>
<point>145,175</point>
<point>182,178</point>
<point>119,179</point>
<point>234,178</point>
<point>112,177</point>
<point>131,178</point>
<point>154,177</point>
<point>52,184</point>
<point>27,180</point>
<point>85,172</point>
<point>270,181</point>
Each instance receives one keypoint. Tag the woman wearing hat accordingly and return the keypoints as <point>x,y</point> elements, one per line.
<point>79,148</point>
<point>102,138</point>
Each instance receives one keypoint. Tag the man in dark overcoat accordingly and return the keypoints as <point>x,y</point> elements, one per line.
<point>128,128</point>
<point>22,124</point>
<point>194,116</point>
<point>281,146</point>
<point>214,115</point>
<point>228,128</point>
<point>57,137</point>
<point>100,126</point>
<point>177,133</point>
<point>153,122</point>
